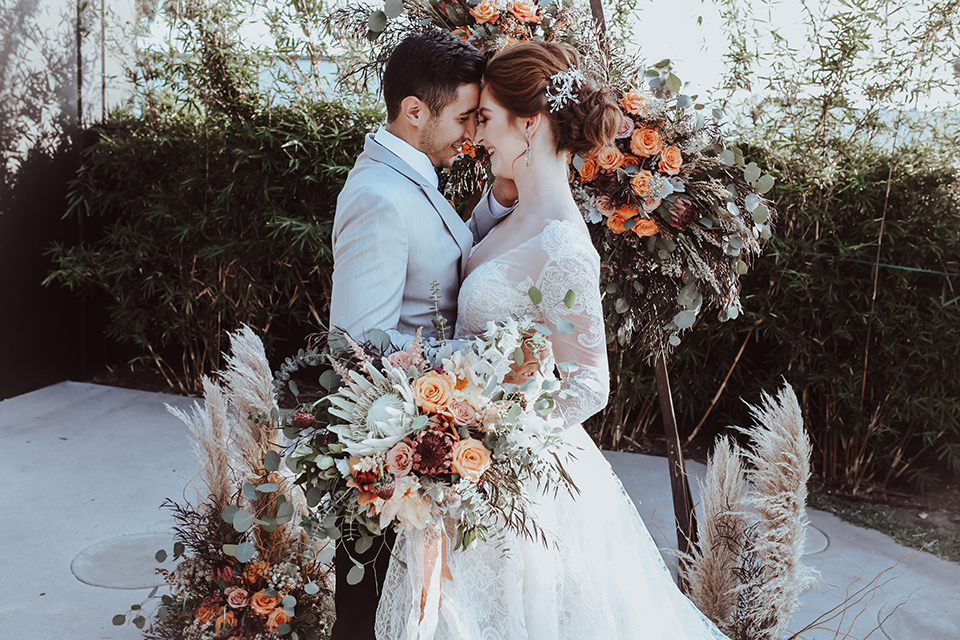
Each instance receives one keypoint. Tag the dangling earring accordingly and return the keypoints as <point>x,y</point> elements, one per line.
<point>526,155</point>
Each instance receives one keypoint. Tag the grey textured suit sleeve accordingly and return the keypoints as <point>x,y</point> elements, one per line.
<point>482,220</point>
<point>370,249</point>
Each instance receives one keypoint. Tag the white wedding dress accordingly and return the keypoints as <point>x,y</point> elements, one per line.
<point>604,578</point>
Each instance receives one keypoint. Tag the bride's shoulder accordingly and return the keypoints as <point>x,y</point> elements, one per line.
<point>568,236</point>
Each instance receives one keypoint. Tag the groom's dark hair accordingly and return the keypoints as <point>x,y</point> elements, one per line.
<point>430,66</point>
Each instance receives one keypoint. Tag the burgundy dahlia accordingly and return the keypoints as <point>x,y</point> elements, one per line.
<point>432,452</point>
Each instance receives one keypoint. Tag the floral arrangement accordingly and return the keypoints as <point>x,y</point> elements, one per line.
<point>404,443</point>
<point>676,214</point>
<point>245,570</point>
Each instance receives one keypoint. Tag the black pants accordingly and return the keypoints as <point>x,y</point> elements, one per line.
<point>357,604</point>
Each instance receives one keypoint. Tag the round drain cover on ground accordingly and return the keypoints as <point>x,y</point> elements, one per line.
<point>930,616</point>
<point>816,541</point>
<point>124,562</point>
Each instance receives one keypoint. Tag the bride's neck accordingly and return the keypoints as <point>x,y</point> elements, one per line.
<point>545,181</point>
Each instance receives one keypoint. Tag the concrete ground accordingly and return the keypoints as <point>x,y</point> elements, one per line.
<point>90,466</point>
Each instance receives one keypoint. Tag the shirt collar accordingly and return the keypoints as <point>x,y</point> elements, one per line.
<point>409,154</point>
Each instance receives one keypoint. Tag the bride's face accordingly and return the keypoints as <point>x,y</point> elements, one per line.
<point>497,130</point>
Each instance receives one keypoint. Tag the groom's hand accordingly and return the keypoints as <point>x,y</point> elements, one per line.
<point>505,191</point>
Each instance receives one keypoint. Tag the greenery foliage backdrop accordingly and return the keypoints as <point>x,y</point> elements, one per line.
<point>216,196</point>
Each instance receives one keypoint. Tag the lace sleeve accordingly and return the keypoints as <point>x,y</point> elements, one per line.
<point>573,265</point>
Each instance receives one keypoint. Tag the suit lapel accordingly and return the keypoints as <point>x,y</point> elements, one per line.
<point>451,220</point>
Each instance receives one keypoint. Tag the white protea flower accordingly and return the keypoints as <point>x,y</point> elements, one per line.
<point>379,410</point>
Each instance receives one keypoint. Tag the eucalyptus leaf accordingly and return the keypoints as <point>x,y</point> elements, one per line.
<point>673,83</point>
<point>271,461</point>
<point>363,544</point>
<point>761,214</point>
<point>289,601</point>
<point>727,157</point>
<point>161,556</point>
<point>379,338</point>
<point>377,22</point>
<point>355,575</point>
<point>621,305</point>
<point>393,8</point>
<point>229,512</point>
<point>267,487</point>
<point>765,183</point>
<point>565,326</point>
<point>568,366</point>
<point>294,389</point>
<point>311,588</point>
<point>230,550</point>
<point>674,340</point>
<point>243,520</point>
<point>329,380</point>
<point>245,551</point>
<point>684,102</point>
<point>752,201</point>
<point>119,619</point>
<point>249,491</point>
<point>535,296</point>
<point>268,524</point>
<point>178,550</point>
<point>751,172</point>
<point>685,319</point>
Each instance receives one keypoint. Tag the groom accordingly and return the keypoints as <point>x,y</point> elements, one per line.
<point>395,235</point>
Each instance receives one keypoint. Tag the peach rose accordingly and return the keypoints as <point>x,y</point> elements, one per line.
<point>626,127</point>
<point>486,11</point>
<point>633,102</point>
<point>525,11</point>
<point>604,205</point>
<point>470,459</point>
<point>226,619</point>
<point>646,227</point>
<point>276,618</point>
<point>432,391</point>
<point>589,169</point>
<point>400,459</point>
<point>670,160</point>
<point>650,204</point>
<point>646,142</point>
<point>402,359</point>
<point>204,613</point>
<point>237,597</point>
<point>462,413</point>
<point>640,183</point>
<point>262,604</point>
<point>255,571</point>
<point>610,158</point>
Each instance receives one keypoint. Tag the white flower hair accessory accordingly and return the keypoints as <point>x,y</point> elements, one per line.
<point>564,87</point>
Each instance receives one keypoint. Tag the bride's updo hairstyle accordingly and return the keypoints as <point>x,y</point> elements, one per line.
<point>519,78</point>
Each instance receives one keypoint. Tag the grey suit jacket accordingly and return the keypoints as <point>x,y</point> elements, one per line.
<point>394,235</point>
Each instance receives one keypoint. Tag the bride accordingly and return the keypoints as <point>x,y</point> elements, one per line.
<point>603,578</point>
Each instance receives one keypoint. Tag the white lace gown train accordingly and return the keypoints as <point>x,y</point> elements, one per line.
<point>603,577</point>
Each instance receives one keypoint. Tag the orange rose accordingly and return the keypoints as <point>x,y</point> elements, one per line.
<point>646,142</point>
<point>641,183</point>
<point>589,169</point>
<point>204,613</point>
<point>262,604</point>
<point>255,571</point>
<point>432,391</point>
<point>630,160</point>
<point>276,618</point>
<point>470,459</point>
<point>634,102</point>
<point>468,148</point>
<point>616,222</point>
<point>627,211</point>
<point>225,619</point>
<point>486,11</point>
<point>646,227</point>
<point>670,160</point>
<point>610,158</point>
<point>525,11</point>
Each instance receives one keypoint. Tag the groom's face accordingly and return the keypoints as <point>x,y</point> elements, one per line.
<point>446,131</point>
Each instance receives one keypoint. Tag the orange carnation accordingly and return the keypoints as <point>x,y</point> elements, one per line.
<point>525,11</point>
<point>486,11</point>
<point>255,571</point>
<point>432,391</point>
<point>470,459</point>
<point>276,618</point>
<point>640,183</point>
<point>634,102</point>
<point>670,160</point>
<point>589,169</point>
<point>646,227</point>
<point>226,619</point>
<point>262,604</point>
<point>646,142</point>
<point>610,158</point>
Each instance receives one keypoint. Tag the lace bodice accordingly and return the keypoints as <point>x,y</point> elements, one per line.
<point>557,260</point>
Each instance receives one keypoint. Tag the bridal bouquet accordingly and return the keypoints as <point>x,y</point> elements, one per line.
<point>676,214</point>
<point>404,443</point>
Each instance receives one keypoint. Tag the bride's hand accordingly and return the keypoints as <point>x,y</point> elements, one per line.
<point>520,373</point>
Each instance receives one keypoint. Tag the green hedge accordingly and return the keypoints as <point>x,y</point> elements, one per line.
<point>879,379</point>
<point>210,223</point>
